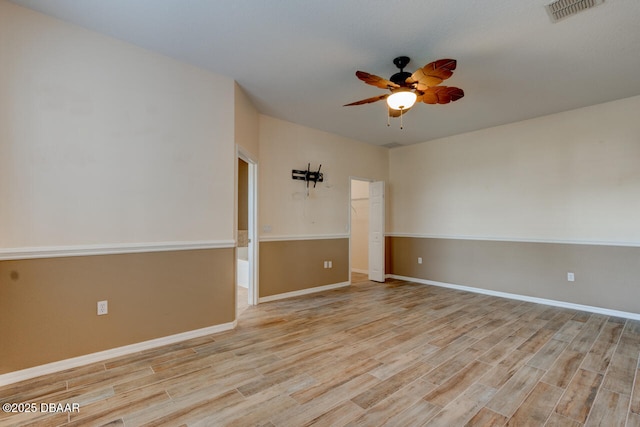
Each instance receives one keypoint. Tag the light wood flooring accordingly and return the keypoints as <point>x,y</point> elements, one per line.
<point>242,300</point>
<point>396,354</point>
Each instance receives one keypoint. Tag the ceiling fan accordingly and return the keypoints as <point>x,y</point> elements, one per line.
<point>407,89</point>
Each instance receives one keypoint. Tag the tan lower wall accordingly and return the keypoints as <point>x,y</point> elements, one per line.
<point>605,276</point>
<point>48,306</point>
<point>294,265</point>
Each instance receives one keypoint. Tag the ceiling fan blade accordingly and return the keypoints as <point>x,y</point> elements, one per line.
<point>455,93</point>
<point>432,74</point>
<point>442,95</point>
<point>369,100</point>
<point>376,81</point>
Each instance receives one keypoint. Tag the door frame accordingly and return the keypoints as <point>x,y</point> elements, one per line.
<point>369,180</point>
<point>252,224</point>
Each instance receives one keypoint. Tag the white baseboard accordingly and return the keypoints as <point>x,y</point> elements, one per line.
<point>555,303</point>
<point>359,270</point>
<point>49,368</point>
<point>303,292</point>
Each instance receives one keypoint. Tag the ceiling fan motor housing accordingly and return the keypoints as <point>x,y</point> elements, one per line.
<point>401,77</point>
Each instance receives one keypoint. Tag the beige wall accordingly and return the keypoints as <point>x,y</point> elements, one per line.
<point>359,189</point>
<point>570,176</point>
<point>295,265</point>
<point>102,142</point>
<point>570,180</point>
<point>284,205</point>
<point>246,121</point>
<point>48,306</point>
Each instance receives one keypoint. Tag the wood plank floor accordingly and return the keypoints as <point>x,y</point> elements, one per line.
<point>393,354</point>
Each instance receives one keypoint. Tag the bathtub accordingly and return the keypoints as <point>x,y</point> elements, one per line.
<point>242,275</point>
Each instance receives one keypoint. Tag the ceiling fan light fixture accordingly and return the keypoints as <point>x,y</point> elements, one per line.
<point>401,99</point>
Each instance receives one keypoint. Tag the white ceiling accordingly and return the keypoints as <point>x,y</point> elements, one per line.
<point>296,59</point>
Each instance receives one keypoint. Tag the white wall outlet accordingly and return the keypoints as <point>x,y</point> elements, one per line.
<point>419,260</point>
<point>266,229</point>
<point>103,307</point>
<point>330,264</point>
<point>326,264</point>
<point>571,277</point>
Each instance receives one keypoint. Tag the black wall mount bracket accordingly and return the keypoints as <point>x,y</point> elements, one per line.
<point>308,175</point>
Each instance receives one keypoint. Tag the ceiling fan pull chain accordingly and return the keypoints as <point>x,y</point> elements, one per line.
<point>401,110</point>
<point>388,116</point>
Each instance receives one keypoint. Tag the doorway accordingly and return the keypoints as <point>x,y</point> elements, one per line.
<point>366,225</point>
<point>246,248</point>
<point>359,254</point>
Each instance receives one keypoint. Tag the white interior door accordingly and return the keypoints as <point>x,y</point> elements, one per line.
<point>376,231</point>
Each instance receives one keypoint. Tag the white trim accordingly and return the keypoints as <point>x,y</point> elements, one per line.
<point>304,237</point>
<point>253,208</point>
<point>359,270</point>
<point>49,368</point>
<point>515,239</point>
<point>110,249</point>
<point>245,155</point>
<point>304,292</point>
<point>555,303</point>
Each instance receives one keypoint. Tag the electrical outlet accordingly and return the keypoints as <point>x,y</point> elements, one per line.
<point>571,277</point>
<point>419,260</point>
<point>103,307</point>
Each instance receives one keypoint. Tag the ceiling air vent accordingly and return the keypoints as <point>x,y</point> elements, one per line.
<point>561,9</point>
